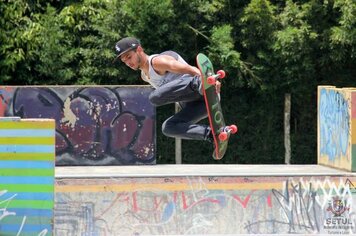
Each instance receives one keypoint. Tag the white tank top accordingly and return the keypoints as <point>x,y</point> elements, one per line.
<point>155,79</point>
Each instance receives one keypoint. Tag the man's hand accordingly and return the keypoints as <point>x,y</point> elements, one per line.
<point>218,86</point>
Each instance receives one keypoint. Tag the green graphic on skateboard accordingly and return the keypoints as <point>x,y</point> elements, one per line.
<point>221,132</point>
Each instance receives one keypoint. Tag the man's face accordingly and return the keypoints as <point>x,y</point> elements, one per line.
<point>131,59</point>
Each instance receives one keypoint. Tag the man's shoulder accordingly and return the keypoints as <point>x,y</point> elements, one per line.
<point>171,53</point>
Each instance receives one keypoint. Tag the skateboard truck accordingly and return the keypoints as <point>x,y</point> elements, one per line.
<point>212,78</point>
<point>223,135</point>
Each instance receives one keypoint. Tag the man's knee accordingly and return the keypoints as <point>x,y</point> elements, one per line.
<point>155,98</point>
<point>168,129</point>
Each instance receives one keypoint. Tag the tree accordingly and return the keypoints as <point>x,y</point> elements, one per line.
<point>343,35</point>
<point>18,37</point>
<point>267,47</point>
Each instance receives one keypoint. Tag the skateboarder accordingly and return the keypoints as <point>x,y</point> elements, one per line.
<point>174,80</point>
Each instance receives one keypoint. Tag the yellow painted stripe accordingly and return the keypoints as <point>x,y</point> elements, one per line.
<point>28,124</point>
<point>166,187</point>
<point>27,140</point>
<point>172,187</point>
<point>23,156</point>
<point>353,131</point>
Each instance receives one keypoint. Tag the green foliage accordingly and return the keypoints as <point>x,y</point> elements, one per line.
<point>343,35</point>
<point>18,37</point>
<point>293,44</point>
<point>258,21</point>
<point>267,47</point>
<point>150,16</point>
<point>55,53</point>
<point>222,50</point>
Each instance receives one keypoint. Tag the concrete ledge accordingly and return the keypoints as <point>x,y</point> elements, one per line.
<point>197,170</point>
<point>204,200</point>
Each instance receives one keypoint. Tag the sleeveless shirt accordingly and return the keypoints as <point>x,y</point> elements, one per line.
<point>157,80</point>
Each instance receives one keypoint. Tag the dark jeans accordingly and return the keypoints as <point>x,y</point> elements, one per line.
<point>184,123</point>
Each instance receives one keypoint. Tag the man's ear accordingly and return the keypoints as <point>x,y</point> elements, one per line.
<point>139,49</point>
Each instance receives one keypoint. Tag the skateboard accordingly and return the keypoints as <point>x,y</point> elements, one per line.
<point>221,132</point>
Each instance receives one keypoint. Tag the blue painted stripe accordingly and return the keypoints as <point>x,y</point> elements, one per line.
<point>15,228</point>
<point>27,148</point>
<point>26,180</point>
<point>27,132</point>
<point>10,118</point>
<point>27,164</point>
<point>27,234</point>
<point>30,212</point>
<point>26,196</point>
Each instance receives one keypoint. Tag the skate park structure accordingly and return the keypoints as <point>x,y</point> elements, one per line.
<point>95,194</point>
<point>27,163</point>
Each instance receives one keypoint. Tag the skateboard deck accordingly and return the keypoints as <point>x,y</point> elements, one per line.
<point>220,131</point>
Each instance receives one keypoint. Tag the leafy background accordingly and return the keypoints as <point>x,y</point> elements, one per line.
<point>267,48</point>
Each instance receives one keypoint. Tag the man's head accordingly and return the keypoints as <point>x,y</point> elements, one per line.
<point>125,45</point>
<point>126,50</point>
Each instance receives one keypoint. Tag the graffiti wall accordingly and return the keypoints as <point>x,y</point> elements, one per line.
<point>27,156</point>
<point>337,127</point>
<point>94,125</point>
<point>205,205</point>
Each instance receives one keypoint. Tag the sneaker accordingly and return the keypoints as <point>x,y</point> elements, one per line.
<point>225,129</point>
<point>200,87</point>
<point>196,84</point>
<point>209,135</point>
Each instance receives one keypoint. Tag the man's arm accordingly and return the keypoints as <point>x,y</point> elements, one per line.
<point>165,63</point>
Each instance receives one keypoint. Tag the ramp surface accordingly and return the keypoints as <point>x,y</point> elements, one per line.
<point>204,199</point>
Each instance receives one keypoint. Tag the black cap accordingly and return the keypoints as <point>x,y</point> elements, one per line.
<point>125,45</point>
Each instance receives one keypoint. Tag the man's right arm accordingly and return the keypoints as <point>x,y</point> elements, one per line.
<point>163,64</point>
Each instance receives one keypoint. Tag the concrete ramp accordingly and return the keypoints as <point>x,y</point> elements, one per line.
<point>204,199</point>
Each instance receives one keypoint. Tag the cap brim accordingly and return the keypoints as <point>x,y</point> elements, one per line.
<point>118,56</point>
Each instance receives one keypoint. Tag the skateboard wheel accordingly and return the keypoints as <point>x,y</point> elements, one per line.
<point>223,136</point>
<point>211,80</point>
<point>233,129</point>
<point>221,74</point>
